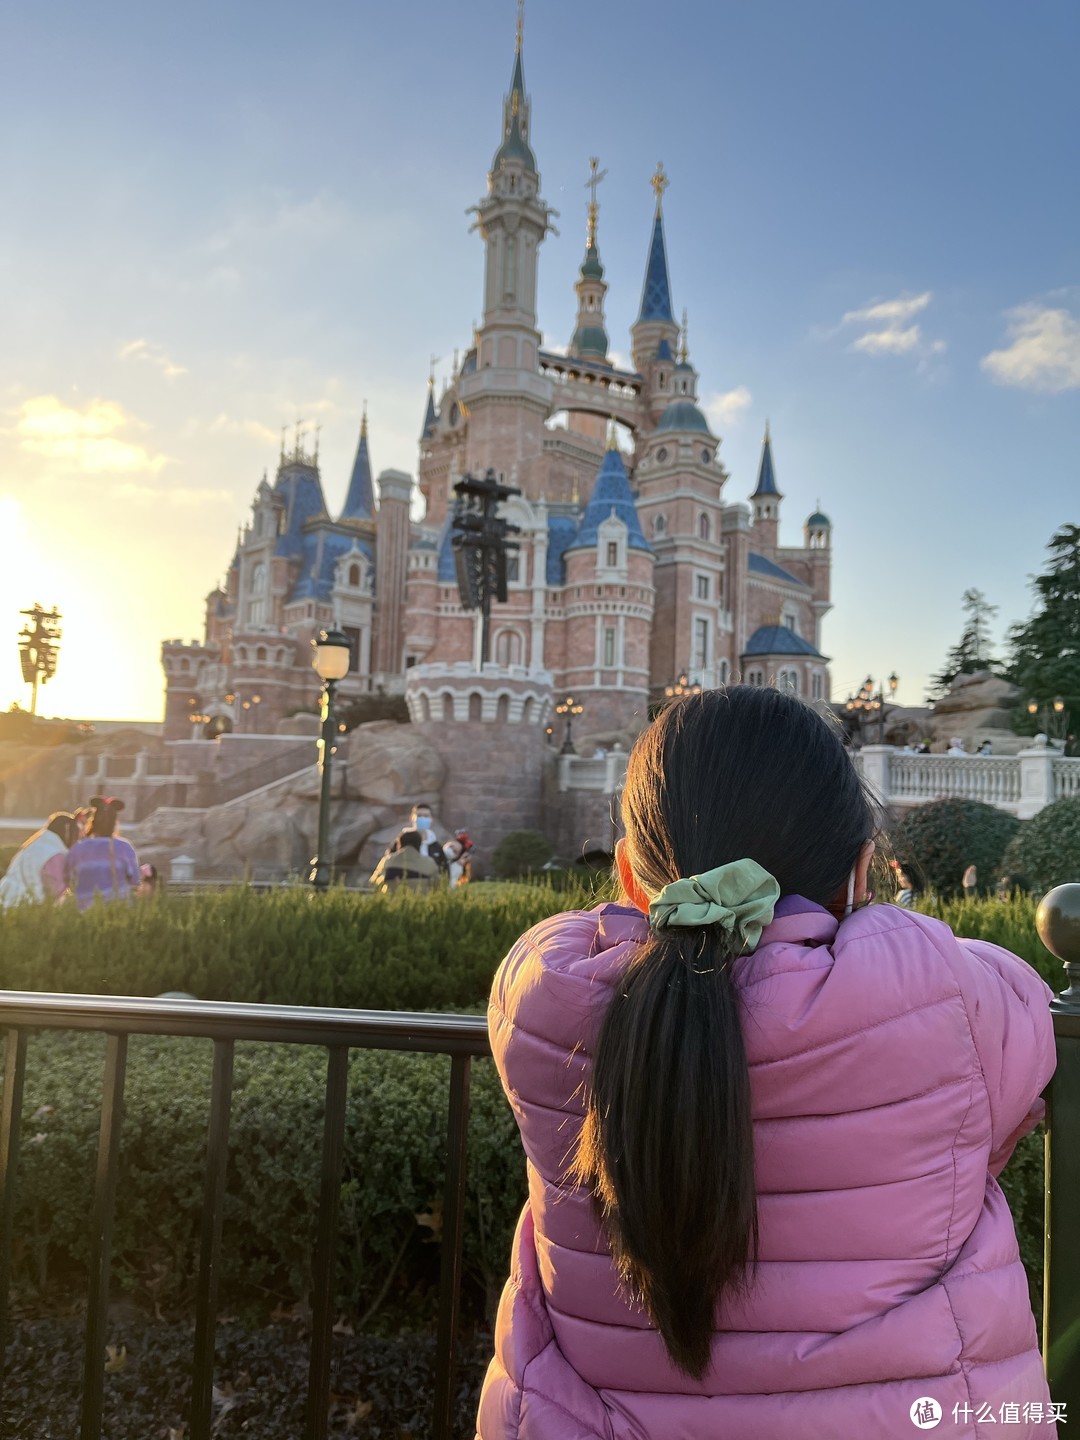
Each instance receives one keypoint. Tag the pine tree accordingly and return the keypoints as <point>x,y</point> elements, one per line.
<point>974,650</point>
<point>1044,651</point>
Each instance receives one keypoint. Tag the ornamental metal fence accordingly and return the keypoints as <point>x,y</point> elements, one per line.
<point>337,1031</point>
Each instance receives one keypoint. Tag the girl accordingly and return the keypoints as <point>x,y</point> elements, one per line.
<point>36,872</point>
<point>102,865</point>
<point>762,1122</point>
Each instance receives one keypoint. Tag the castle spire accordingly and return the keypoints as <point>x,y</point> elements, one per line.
<point>360,501</point>
<point>656,291</point>
<point>431,415</point>
<point>766,480</point>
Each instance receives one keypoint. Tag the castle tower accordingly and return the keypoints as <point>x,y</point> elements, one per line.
<point>609,603</point>
<point>589,340</point>
<point>391,552</point>
<point>655,334</point>
<point>766,501</point>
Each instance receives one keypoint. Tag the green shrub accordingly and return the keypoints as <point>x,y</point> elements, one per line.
<point>391,1191</point>
<point>935,843</point>
<point>404,951</point>
<point>1046,849</point>
<point>522,852</point>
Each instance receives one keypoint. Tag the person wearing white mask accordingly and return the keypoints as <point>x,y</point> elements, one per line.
<point>420,817</point>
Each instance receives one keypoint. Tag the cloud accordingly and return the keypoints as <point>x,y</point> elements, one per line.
<point>1043,353</point>
<point>728,408</point>
<point>887,327</point>
<point>179,496</point>
<point>153,354</point>
<point>891,312</point>
<point>84,439</point>
<point>253,429</point>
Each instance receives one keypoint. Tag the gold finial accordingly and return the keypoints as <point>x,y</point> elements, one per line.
<point>520,23</point>
<point>612,435</point>
<point>768,437</point>
<point>296,451</point>
<point>363,421</point>
<point>434,359</point>
<point>659,183</point>
<point>514,105</point>
<point>684,352</point>
<point>595,177</point>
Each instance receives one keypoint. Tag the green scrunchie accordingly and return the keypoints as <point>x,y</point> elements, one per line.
<point>740,897</point>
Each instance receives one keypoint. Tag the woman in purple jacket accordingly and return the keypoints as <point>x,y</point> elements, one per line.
<point>102,865</point>
<point>762,1123</point>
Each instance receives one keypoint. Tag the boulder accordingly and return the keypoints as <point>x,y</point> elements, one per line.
<point>976,704</point>
<point>392,764</point>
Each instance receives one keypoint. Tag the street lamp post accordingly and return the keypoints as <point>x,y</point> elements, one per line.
<point>331,661</point>
<point>868,703</point>
<point>568,707</point>
<point>1052,718</point>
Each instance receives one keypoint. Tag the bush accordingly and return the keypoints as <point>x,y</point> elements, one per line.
<point>405,951</point>
<point>1046,849</point>
<point>522,852</point>
<point>392,1182</point>
<point>935,843</point>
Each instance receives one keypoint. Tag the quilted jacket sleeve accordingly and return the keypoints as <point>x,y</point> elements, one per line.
<point>1008,1006</point>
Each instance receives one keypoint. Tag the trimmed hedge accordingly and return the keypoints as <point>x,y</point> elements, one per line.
<point>522,852</point>
<point>1046,850</point>
<point>405,951</point>
<point>936,843</point>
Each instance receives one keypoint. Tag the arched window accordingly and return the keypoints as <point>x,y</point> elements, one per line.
<point>659,525</point>
<point>723,672</point>
<point>703,526</point>
<point>258,579</point>
<point>354,575</point>
<point>755,677</point>
<point>527,712</point>
<point>502,709</point>
<point>425,708</point>
<point>260,654</point>
<point>185,664</point>
<point>817,685</point>
<point>447,707</point>
<point>476,702</point>
<point>508,648</point>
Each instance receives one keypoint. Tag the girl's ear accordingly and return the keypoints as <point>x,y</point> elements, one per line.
<point>627,879</point>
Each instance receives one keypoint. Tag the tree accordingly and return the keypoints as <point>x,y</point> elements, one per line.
<point>1044,652</point>
<point>974,651</point>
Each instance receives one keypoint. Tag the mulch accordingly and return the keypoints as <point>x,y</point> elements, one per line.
<point>381,1388</point>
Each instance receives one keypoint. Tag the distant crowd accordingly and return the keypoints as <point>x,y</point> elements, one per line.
<point>78,857</point>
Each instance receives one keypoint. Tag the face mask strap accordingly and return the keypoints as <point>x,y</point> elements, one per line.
<point>850,906</point>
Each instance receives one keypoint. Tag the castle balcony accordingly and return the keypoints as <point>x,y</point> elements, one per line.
<point>594,388</point>
<point>502,694</point>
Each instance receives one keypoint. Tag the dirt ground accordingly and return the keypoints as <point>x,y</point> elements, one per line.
<point>381,1388</point>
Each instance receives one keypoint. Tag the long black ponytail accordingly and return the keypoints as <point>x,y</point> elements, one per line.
<point>667,1146</point>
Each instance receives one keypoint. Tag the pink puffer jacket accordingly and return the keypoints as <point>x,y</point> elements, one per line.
<point>893,1068</point>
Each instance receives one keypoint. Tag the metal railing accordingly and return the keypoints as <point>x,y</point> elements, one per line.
<point>338,1031</point>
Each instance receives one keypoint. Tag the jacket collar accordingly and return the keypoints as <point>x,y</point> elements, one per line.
<point>795,922</point>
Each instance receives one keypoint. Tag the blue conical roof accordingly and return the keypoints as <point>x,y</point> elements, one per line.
<point>430,415</point>
<point>360,501</point>
<point>656,293</point>
<point>611,494</point>
<point>766,480</point>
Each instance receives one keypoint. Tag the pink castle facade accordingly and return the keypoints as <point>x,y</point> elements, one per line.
<point>635,565</point>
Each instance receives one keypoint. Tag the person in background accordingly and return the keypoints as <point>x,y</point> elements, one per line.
<point>102,865</point>
<point>460,866</point>
<point>149,882</point>
<point>970,882</point>
<point>36,873</point>
<point>429,845</point>
<point>763,1121</point>
<point>956,746</point>
<point>405,864</point>
<point>984,748</point>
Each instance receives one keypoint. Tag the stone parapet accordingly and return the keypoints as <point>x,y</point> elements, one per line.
<point>507,694</point>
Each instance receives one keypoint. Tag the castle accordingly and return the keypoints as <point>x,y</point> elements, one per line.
<point>634,568</point>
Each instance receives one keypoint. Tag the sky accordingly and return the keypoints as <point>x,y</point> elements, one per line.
<point>221,218</point>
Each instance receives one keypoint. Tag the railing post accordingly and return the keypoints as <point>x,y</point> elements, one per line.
<point>1058,924</point>
<point>875,768</point>
<point>1036,777</point>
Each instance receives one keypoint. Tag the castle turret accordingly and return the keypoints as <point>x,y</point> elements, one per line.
<point>590,341</point>
<point>766,501</point>
<point>391,555</point>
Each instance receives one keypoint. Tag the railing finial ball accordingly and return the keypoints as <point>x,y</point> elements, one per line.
<point>1058,922</point>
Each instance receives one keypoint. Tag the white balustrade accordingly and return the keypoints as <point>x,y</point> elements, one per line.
<point>601,773</point>
<point>1022,784</point>
<point>1066,773</point>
